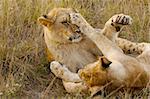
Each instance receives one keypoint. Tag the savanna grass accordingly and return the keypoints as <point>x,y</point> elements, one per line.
<point>24,69</point>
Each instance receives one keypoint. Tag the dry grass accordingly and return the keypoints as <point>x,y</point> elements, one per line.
<point>24,69</point>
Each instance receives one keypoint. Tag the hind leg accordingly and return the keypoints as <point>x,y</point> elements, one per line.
<point>71,81</point>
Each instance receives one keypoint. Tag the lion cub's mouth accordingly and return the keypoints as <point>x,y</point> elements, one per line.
<point>75,38</point>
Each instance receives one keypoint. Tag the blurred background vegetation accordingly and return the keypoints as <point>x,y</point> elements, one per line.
<point>24,69</point>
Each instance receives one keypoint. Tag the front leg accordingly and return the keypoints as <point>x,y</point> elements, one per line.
<point>102,42</point>
<point>61,71</point>
<point>110,30</point>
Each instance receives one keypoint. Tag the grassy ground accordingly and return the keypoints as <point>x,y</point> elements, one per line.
<point>24,69</point>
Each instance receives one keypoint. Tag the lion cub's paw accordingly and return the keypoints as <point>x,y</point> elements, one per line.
<point>61,71</point>
<point>120,19</point>
<point>57,68</point>
<point>76,18</point>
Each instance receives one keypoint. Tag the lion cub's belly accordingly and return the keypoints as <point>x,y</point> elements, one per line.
<point>78,60</point>
<point>76,56</point>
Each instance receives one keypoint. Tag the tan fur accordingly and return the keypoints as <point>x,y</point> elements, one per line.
<point>94,74</point>
<point>124,70</point>
<point>110,32</point>
<point>66,75</point>
<point>74,54</point>
<point>131,47</point>
<point>56,37</point>
<point>72,87</point>
<point>49,55</point>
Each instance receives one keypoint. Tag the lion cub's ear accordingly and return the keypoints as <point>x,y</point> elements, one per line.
<point>104,62</point>
<point>44,20</point>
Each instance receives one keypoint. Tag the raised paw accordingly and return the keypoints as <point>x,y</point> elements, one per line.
<point>120,19</point>
<point>77,19</point>
<point>84,27</point>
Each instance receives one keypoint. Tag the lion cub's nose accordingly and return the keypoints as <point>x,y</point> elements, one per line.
<point>45,16</point>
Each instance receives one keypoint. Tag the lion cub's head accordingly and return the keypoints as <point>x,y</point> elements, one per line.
<point>57,26</point>
<point>95,74</point>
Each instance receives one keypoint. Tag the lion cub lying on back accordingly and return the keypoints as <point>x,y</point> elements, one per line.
<point>122,70</point>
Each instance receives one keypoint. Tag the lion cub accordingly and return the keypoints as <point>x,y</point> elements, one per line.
<point>67,46</point>
<point>123,68</point>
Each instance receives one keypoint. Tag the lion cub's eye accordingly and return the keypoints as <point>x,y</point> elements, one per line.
<point>66,23</point>
<point>63,22</point>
